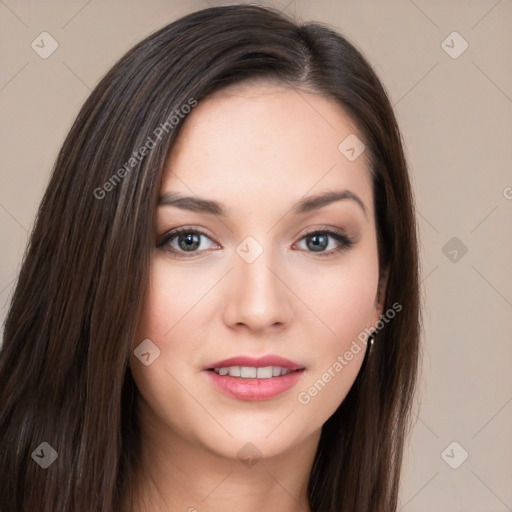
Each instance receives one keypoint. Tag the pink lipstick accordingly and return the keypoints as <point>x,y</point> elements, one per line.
<point>254,378</point>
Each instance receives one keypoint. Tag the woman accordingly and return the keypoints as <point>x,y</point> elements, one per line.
<point>219,304</point>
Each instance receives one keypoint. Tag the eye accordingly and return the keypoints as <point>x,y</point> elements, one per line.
<point>184,240</point>
<point>317,241</point>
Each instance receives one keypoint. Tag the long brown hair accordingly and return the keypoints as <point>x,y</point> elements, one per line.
<point>64,373</point>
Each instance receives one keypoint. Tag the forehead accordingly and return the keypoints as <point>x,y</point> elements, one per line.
<point>251,138</point>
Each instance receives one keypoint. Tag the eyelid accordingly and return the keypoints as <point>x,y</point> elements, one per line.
<point>338,234</point>
<point>173,233</point>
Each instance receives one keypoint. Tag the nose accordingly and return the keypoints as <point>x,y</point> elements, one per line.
<point>257,295</point>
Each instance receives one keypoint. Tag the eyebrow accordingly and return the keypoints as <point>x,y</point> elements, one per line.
<point>305,205</point>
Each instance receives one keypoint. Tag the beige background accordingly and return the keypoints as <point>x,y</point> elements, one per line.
<point>455,114</point>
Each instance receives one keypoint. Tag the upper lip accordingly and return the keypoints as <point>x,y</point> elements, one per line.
<point>257,362</point>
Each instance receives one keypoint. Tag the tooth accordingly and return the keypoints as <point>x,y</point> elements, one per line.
<point>248,372</point>
<point>234,371</point>
<point>264,373</point>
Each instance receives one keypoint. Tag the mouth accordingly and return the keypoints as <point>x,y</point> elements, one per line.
<point>248,378</point>
<point>249,363</point>
<point>253,372</point>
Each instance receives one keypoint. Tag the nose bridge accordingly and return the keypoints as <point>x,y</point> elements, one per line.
<point>257,297</point>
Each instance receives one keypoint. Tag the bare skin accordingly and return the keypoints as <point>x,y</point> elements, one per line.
<point>258,149</point>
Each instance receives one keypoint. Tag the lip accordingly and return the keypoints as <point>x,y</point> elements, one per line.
<point>256,362</point>
<point>253,389</point>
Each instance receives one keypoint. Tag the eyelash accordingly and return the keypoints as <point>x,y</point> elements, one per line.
<point>345,241</point>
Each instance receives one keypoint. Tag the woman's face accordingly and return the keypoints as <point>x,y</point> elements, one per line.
<point>246,280</point>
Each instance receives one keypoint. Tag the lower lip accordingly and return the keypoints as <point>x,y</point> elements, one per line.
<point>253,389</point>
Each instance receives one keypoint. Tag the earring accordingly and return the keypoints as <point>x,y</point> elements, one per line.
<point>371,339</point>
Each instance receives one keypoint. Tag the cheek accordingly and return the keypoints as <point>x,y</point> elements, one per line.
<point>172,298</point>
<point>343,297</point>
<point>175,309</point>
<point>343,301</point>
<point>160,318</point>
<point>173,294</point>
